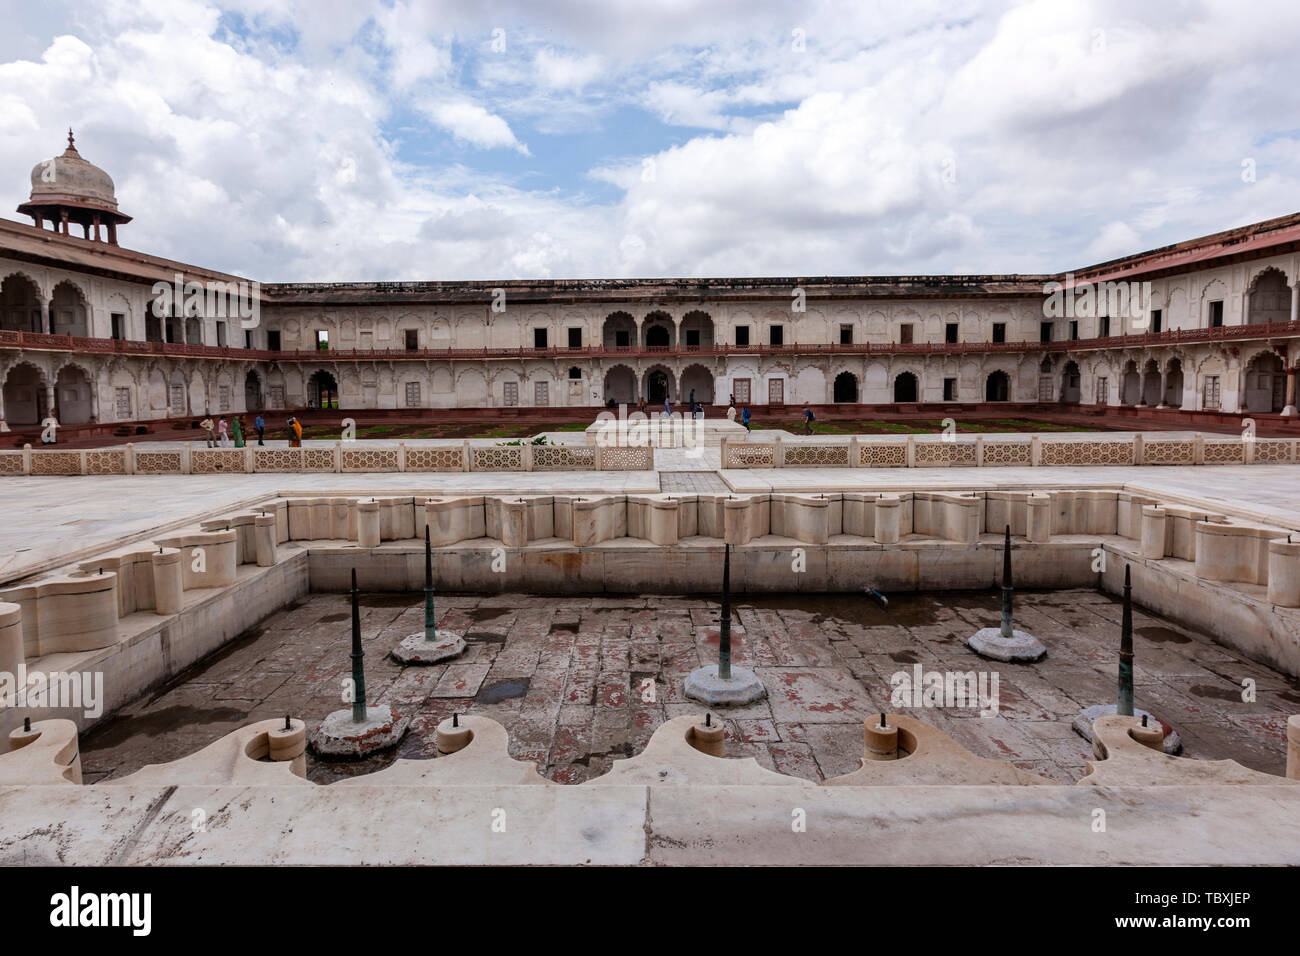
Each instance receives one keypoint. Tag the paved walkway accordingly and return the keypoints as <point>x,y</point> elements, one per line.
<point>50,521</point>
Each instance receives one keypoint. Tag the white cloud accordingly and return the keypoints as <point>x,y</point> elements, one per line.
<point>473,124</point>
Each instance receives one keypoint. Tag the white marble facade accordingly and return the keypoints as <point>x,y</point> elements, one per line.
<point>594,337</point>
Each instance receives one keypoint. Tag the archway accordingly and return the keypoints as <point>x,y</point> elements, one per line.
<point>252,391</point>
<point>72,396</point>
<point>658,330</point>
<point>997,387</point>
<point>846,388</point>
<point>697,330</point>
<point>697,379</point>
<point>1131,388</point>
<point>1265,383</point>
<point>68,314</point>
<point>1151,390</point>
<point>24,393</point>
<point>1270,298</point>
<point>1071,384</point>
<point>618,331</point>
<point>322,390</point>
<point>620,386</point>
<point>657,385</point>
<point>905,387</point>
<point>20,304</point>
<point>1174,384</point>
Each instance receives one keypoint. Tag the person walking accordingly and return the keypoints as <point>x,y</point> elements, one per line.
<point>206,425</point>
<point>744,418</point>
<point>238,429</point>
<point>668,408</point>
<point>223,433</point>
<point>808,419</point>
<point>731,412</point>
<point>295,433</point>
<point>260,424</point>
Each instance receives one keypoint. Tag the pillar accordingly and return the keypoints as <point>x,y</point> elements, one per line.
<point>4,427</point>
<point>1142,390</point>
<point>1164,389</point>
<point>368,524</point>
<point>45,316</point>
<point>264,537</point>
<point>889,515</point>
<point>1153,532</point>
<point>12,653</point>
<point>50,409</point>
<point>1284,573</point>
<point>1290,409</point>
<point>167,585</point>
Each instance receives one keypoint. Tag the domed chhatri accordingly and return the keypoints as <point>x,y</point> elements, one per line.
<point>67,189</point>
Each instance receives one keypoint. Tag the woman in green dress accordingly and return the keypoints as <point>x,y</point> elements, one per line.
<point>238,431</point>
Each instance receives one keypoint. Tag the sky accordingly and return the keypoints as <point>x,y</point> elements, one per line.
<point>329,140</point>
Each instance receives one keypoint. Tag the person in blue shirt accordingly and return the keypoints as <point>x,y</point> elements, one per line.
<point>260,424</point>
<point>808,418</point>
<point>744,418</point>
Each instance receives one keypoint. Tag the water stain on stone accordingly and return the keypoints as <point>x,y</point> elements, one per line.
<point>1162,635</point>
<point>481,615</point>
<point>904,657</point>
<point>154,722</point>
<point>386,599</point>
<point>566,628</point>
<point>484,637</point>
<point>502,690</point>
<point>334,618</point>
<point>1217,693</point>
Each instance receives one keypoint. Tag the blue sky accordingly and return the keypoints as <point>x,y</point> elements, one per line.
<point>327,140</point>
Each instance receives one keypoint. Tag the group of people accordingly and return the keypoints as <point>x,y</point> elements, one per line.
<point>223,435</point>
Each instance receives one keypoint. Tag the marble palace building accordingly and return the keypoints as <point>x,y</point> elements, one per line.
<point>1211,327</point>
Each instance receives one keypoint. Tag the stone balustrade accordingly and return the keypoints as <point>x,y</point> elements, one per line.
<point>340,458</point>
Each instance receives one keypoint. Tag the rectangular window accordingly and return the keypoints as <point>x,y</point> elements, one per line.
<point>412,337</point>
<point>122,403</point>
<point>541,393</point>
<point>776,391</point>
<point>950,332</point>
<point>742,335</point>
<point>1103,326</point>
<point>1074,329</point>
<point>1211,397</point>
<point>248,339</point>
<point>1157,320</point>
<point>276,397</point>
<point>119,321</point>
<point>950,390</point>
<point>273,340</point>
<point>1045,331</point>
<point>510,393</point>
<point>846,335</point>
<point>1216,317</point>
<point>905,333</point>
<point>740,389</point>
<point>412,394</point>
<point>999,331</point>
<point>539,338</point>
<point>692,338</point>
<point>221,334</point>
<point>575,338</point>
<point>1103,390</point>
<point>621,340</point>
<point>322,339</point>
<point>776,335</point>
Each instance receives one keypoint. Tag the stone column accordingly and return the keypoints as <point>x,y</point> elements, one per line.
<point>1289,410</point>
<point>45,316</point>
<point>1142,391</point>
<point>1295,302</point>
<point>1164,388</point>
<point>4,427</point>
<point>50,408</point>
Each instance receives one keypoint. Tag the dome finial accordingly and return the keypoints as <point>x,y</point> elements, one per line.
<point>71,144</point>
